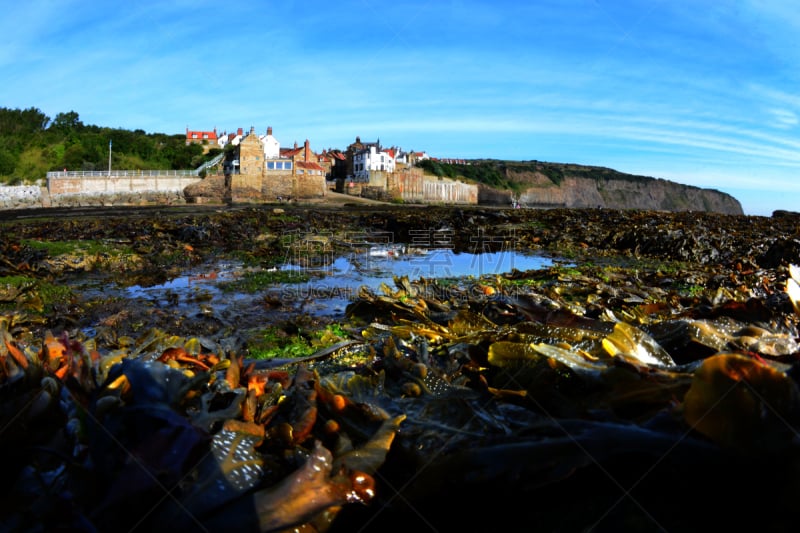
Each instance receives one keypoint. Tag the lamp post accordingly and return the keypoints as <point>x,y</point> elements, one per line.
<point>109,157</point>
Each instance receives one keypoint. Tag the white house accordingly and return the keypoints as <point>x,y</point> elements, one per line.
<point>372,159</point>
<point>231,138</point>
<point>401,157</point>
<point>409,158</point>
<point>272,148</point>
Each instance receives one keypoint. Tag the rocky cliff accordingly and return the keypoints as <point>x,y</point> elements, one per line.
<point>556,185</point>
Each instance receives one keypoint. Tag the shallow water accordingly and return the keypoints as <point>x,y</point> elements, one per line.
<point>372,268</point>
<point>334,285</point>
<point>342,279</point>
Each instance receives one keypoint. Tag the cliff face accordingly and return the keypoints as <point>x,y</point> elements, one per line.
<point>612,192</point>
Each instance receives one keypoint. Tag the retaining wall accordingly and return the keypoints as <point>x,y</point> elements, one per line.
<point>413,186</point>
<point>20,196</point>
<point>59,183</point>
<point>73,189</point>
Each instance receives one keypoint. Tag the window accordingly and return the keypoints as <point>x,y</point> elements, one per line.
<point>287,165</point>
<point>270,165</point>
<point>300,171</point>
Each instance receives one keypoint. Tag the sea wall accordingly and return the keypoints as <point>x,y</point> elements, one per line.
<point>411,185</point>
<point>20,196</point>
<point>67,183</point>
<point>78,189</point>
<point>31,197</point>
<point>122,187</point>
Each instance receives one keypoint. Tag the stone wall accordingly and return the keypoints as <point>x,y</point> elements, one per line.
<point>20,196</point>
<point>380,179</point>
<point>67,185</point>
<point>109,199</point>
<point>31,197</point>
<point>310,185</point>
<point>408,185</point>
<point>411,185</point>
<point>277,183</point>
<point>449,192</point>
<point>213,189</point>
<point>71,190</point>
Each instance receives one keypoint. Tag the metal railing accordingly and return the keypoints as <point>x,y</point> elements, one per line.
<point>208,164</point>
<point>116,173</point>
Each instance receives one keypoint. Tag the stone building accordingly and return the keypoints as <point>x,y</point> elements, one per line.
<point>246,185</point>
<point>295,173</point>
<point>309,173</point>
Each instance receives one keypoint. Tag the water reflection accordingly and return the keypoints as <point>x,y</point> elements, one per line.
<point>378,265</point>
<point>342,278</point>
<point>336,282</point>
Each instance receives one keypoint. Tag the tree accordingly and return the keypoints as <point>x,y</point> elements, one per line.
<point>8,162</point>
<point>32,166</point>
<point>22,122</point>
<point>67,122</point>
<point>74,157</point>
<point>31,144</point>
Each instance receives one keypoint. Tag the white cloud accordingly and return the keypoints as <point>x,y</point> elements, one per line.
<point>783,118</point>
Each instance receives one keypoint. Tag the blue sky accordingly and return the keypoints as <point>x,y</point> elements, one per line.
<point>699,92</point>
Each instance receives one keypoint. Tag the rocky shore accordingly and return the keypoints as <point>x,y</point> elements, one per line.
<point>650,370</point>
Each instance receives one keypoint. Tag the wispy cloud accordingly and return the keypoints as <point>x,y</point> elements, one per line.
<point>784,118</point>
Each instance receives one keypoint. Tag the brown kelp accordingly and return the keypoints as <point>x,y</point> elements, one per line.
<point>623,393</point>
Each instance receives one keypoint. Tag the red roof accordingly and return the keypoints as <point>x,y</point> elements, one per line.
<point>290,152</point>
<point>201,135</point>
<point>308,165</point>
<point>390,152</point>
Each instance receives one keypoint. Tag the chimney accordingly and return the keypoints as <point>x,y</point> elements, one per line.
<point>307,150</point>
<point>239,132</point>
<point>295,145</point>
<point>269,130</point>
